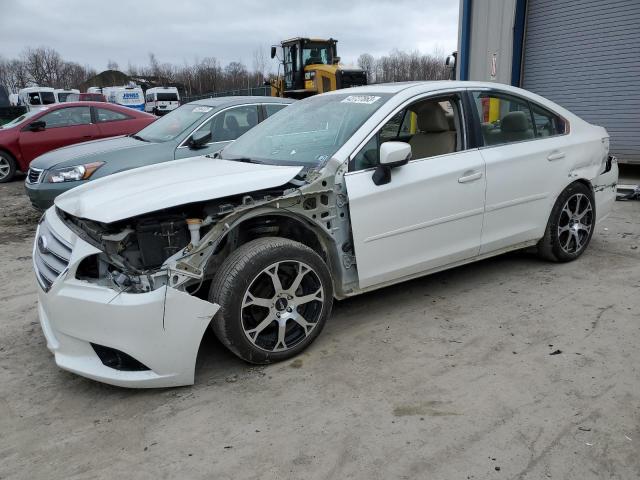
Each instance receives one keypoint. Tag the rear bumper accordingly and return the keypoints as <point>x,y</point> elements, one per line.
<point>604,187</point>
<point>161,329</point>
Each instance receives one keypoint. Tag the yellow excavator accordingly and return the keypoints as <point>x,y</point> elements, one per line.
<point>311,66</point>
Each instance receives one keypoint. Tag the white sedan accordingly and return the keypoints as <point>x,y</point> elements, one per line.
<point>336,195</point>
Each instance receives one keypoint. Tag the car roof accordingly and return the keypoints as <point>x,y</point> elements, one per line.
<point>426,86</point>
<point>238,100</point>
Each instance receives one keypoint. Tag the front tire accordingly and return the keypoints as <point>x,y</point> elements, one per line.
<point>275,296</point>
<point>570,226</point>
<point>7,167</point>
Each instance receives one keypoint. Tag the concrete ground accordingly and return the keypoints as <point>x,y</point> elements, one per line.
<point>508,368</point>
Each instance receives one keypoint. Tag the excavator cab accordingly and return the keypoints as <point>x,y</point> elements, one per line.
<point>311,66</point>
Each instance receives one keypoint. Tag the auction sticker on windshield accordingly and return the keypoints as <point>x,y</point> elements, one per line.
<point>366,99</point>
<point>201,109</point>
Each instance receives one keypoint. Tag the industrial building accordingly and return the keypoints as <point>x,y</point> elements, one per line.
<point>583,55</point>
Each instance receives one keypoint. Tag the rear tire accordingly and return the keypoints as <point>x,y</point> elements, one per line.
<point>570,226</point>
<point>7,167</point>
<point>275,296</point>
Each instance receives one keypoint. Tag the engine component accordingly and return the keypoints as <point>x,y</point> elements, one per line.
<point>158,240</point>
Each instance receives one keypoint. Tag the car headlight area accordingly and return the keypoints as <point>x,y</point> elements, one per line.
<point>148,339</point>
<point>73,173</point>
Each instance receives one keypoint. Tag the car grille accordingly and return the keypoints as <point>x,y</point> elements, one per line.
<point>50,257</point>
<point>34,174</point>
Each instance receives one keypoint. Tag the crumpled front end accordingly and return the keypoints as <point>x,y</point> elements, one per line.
<point>105,331</point>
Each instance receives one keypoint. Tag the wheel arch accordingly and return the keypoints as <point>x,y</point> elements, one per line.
<point>285,224</point>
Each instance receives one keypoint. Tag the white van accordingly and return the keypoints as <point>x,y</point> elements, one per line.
<point>62,94</point>
<point>161,100</point>
<point>131,97</point>
<point>36,96</point>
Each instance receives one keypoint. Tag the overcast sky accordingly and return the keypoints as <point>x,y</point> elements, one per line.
<point>91,33</point>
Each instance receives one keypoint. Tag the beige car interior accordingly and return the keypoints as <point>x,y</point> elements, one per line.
<point>436,133</point>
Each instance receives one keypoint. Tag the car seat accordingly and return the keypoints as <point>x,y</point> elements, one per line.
<point>434,136</point>
<point>232,128</point>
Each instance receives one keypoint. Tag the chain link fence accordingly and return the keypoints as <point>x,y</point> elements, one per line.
<point>241,92</point>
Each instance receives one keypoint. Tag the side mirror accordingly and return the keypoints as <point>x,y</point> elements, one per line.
<point>200,139</point>
<point>450,62</point>
<point>37,126</point>
<point>336,60</point>
<point>273,52</point>
<point>392,155</point>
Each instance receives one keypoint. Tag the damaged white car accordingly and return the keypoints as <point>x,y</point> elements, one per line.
<point>336,195</point>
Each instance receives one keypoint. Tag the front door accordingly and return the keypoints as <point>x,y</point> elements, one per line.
<point>224,127</point>
<point>430,213</point>
<point>63,126</point>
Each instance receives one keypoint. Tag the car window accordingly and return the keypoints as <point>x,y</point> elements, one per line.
<point>307,132</point>
<point>47,98</point>
<point>107,115</point>
<point>232,123</point>
<point>67,117</point>
<point>503,118</point>
<point>431,126</point>
<point>547,124</point>
<point>271,108</point>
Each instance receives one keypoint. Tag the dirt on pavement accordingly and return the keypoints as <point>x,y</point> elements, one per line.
<point>451,376</point>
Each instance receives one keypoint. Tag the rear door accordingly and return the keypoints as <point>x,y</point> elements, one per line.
<point>64,126</point>
<point>430,213</point>
<point>526,155</point>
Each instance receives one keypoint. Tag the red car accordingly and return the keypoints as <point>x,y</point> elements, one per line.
<point>53,126</point>
<point>86,97</point>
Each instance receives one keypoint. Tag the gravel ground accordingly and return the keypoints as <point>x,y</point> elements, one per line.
<point>507,368</point>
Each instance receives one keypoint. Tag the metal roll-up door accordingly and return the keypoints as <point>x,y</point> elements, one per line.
<point>585,56</point>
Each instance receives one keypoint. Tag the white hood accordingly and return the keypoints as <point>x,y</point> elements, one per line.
<point>163,185</point>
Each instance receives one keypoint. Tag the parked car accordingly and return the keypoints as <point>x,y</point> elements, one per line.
<point>49,127</point>
<point>196,128</point>
<point>336,195</point>
<point>86,97</point>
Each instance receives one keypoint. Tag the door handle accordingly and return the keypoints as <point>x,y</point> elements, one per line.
<point>555,156</point>
<point>470,177</point>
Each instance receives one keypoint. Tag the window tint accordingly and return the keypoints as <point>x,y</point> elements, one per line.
<point>546,123</point>
<point>272,108</point>
<point>107,115</point>
<point>503,118</point>
<point>429,126</point>
<point>66,117</point>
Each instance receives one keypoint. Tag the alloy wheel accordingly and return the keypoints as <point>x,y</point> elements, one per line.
<point>575,223</point>
<point>282,306</point>
<point>5,168</point>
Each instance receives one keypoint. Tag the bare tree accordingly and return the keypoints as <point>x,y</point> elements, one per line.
<point>112,65</point>
<point>367,63</point>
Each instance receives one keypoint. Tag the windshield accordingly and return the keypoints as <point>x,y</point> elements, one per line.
<point>308,132</point>
<point>174,123</point>
<point>167,97</point>
<point>320,54</point>
<point>21,118</point>
<point>65,97</point>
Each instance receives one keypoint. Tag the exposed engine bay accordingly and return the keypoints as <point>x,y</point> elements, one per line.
<point>183,246</point>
